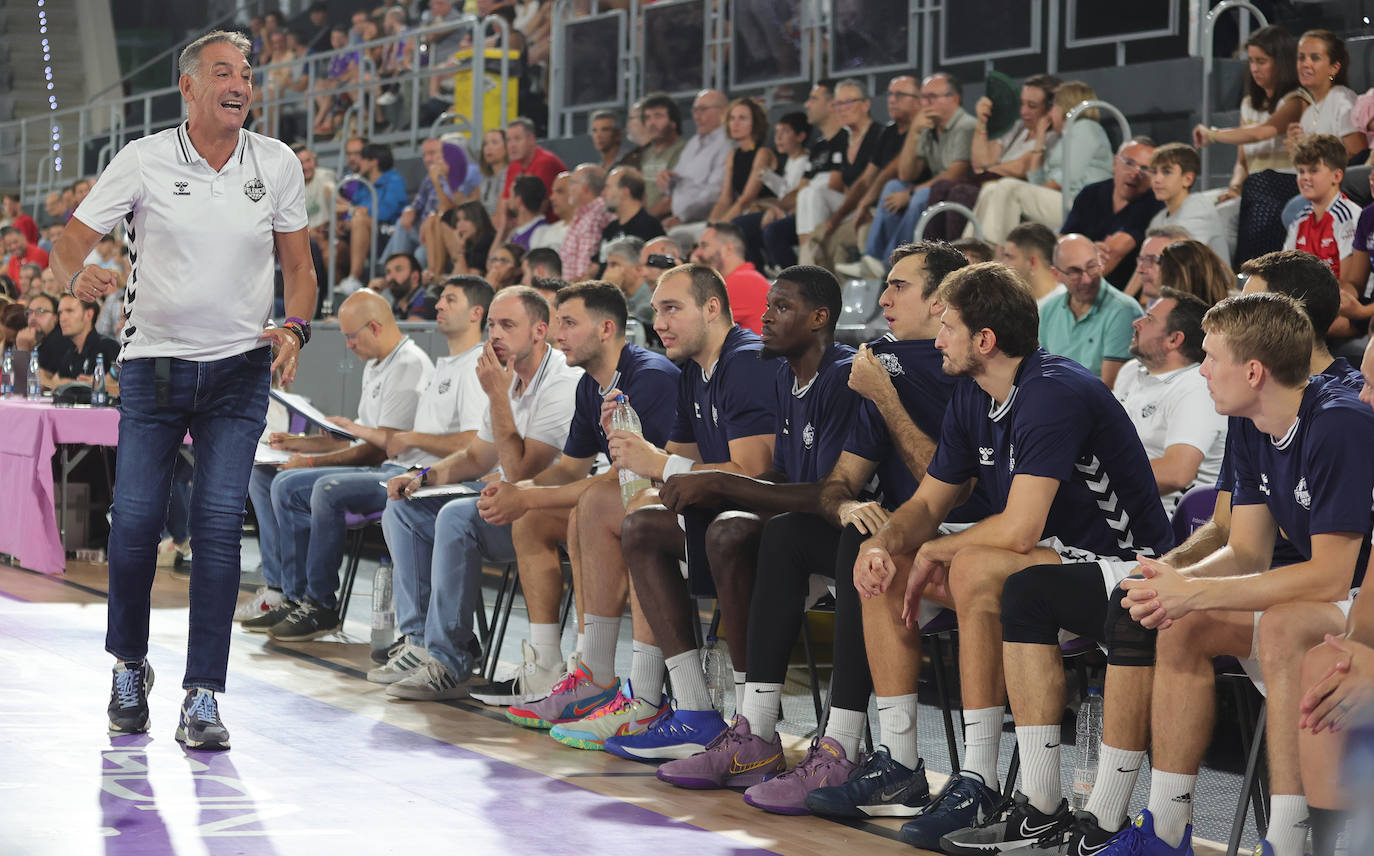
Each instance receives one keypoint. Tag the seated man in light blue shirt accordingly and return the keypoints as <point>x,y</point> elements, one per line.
<point>1089,322</point>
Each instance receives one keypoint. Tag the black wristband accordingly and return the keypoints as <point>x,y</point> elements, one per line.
<point>300,336</point>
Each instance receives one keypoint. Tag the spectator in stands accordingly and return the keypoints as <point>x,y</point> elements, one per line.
<point>658,255</point>
<point>849,155</point>
<point>1324,71</point>
<point>333,101</point>
<point>50,234</point>
<point>493,163</point>
<point>582,243</point>
<point>314,32</point>
<point>42,332</point>
<point>722,247</point>
<point>1357,295</point>
<point>378,167</point>
<point>789,142</point>
<point>1090,323</point>
<point>1191,267</point>
<point>442,46</point>
<point>12,321</point>
<point>14,216</point>
<point>1174,169</point>
<point>563,210</point>
<point>693,183</point>
<point>84,346</point>
<point>526,157</point>
<point>445,185</point>
<point>1263,178</point>
<point>1002,204</point>
<point>1165,394</point>
<point>1116,212</point>
<point>1144,284</point>
<point>663,125</point>
<point>19,251</point>
<point>398,58</point>
<point>527,223</point>
<point>976,250</point>
<point>939,150</point>
<point>320,183</point>
<point>742,189</point>
<point>503,265</point>
<point>80,189</point>
<point>31,278</point>
<point>465,237</point>
<point>54,209</point>
<point>410,300</point>
<point>1326,226</point>
<point>1029,250</point>
<point>540,263</point>
<point>286,80</point>
<point>607,136</point>
<point>624,197</point>
<point>622,270</point>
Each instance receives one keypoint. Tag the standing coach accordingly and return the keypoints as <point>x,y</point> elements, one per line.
<point>205,204</point>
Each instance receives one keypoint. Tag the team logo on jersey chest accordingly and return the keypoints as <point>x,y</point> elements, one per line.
<point>179,188</point>
<point>891,363</point>
<point>444,385</point>
<point>255,189</point>
<point>1302,495</point>
<point>715,415</point>
<point>985,456</point>
<point>1264,484</point>
<point>1148,410</point>
<point>808,435</point>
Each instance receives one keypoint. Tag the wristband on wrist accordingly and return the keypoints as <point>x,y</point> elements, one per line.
<point>71,284</point>
<point>295,331</point>
<point>676,465</point>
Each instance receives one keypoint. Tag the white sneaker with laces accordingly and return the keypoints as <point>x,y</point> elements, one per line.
<point>347,285</point>
<point>407,659</point>
<point>262,603</point>
<point>431,682</point>
<point>530,683</point>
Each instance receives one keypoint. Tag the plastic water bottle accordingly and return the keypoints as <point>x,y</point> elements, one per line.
<point>7,375</point>
<point>624,418</point>
<point>720,675</point>
<point>383,608</point>
<point>99,397</point>
<point>1088,741</point>
<point>35,390</point>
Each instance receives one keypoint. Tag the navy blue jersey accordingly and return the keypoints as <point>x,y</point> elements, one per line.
<point>815,420</point>
<point>648,379</point>
<point>735,401</point>
<point>924,390</point>
<point>1316,479</point>
<point>1061,422</point>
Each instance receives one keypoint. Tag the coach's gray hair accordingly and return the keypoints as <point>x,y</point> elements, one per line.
<point>189,63</point>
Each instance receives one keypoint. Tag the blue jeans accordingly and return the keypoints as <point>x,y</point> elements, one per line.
<point>269,541</point>
<point>405,241</point>
<point>437,549</point>
<point>310,505</point>
<point>892,230</point>
<point>223,404</point>
<point>780,241</point>
<point>179,506</point>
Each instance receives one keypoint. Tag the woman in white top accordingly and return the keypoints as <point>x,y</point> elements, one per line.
<point>1321,106</point>
<point>783,178</point>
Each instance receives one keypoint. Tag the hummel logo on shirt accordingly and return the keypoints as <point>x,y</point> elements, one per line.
<point>179,188</point>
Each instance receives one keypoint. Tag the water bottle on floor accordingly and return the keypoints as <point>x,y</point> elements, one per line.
<point>624,418</point>
<point>1088,742</point>
<point>383,608</point>
<point>7,377</point>
<point>99,397</point>
<point>720,675</point>
<point>35,390</point>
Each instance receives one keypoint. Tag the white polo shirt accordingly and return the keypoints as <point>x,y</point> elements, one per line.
<point>453,402</point>
<point>1172,408</point>
<point>201,241</point>
<point>543,410</point>
<point>392,387</point>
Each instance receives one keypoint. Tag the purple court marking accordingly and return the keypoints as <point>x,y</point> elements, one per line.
<point>304,776</point>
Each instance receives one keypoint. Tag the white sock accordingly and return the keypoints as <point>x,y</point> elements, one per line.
<point>1171,803</point>
<point>1040,777</point>
<point>982,736</point>
<point>598,650</point>
<point>846,727</point>
<point>1117,771</point>
<point>548,647</point>
<point>762,705</point>
<point>689,681</point>
<point>897,727</point>
<point>646,672</point>
<point>580,636</point>
<point>1287,833</point>
<point>739,691</point>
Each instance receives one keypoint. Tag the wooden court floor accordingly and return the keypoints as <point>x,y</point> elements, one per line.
<point>323,761</point>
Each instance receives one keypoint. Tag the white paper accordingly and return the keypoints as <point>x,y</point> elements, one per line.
<point>438,490</point>
<point>312,414</point>
<point>268,455</point>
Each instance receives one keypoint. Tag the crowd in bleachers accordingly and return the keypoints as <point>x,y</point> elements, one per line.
<point>1050,389</point>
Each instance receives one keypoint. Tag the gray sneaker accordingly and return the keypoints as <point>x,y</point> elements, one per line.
<point>129,697</point>
<point>271,618</point>
<point>200,726</point>
<point>433,681</point>
<point>402,664</point>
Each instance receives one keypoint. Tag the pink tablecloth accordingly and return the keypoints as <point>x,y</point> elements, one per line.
<point>30,432</point>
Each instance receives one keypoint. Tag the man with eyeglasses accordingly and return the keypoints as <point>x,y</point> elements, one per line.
<point>1115,212</point>
<point>42,332</point>
<point>1144,283</point>
<point>694,182</point>
<point>1090,323</point>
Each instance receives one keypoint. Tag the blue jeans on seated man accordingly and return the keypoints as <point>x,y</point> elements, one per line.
<point>890,230</point>
<point>310,504</point>
<point>405,241</point>
<point>269,543</point>
<point>438,545</point>
<point>223,405</point>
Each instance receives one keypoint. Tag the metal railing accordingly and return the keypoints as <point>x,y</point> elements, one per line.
<point>1209,26</point>
<point>1066,140</point>
<point>941,208</point>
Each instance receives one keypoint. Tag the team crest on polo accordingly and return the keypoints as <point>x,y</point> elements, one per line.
<point>180,188</point>
<point>891,363</point>
<point>254,190</point>
<point>1302,494</point>
<point>444,385</point>
<point>808,435</point>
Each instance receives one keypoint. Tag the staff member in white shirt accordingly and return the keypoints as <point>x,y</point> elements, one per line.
<point>205,205</point>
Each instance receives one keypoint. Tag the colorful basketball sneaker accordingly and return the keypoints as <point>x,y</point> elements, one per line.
<point>737,758</point>
<point>825,764</point>
<point>572,698</point>
<point>676,734</point>
<point>622,715</point>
